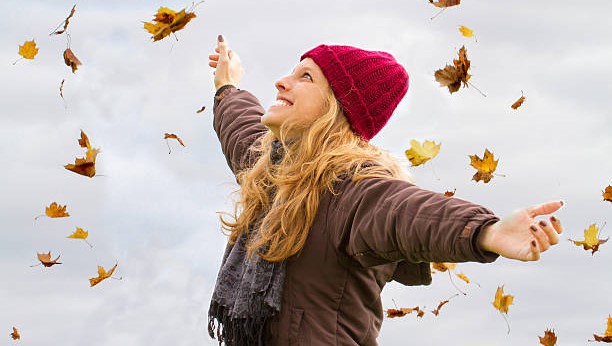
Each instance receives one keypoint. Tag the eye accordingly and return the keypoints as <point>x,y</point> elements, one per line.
<point>307,76</point>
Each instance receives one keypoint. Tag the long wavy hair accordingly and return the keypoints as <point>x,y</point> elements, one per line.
<point>281,200</point>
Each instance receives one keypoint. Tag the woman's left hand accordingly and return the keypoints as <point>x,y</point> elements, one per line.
<point>520,236</point>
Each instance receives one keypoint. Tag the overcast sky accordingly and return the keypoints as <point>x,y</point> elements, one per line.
<point>156,213</point>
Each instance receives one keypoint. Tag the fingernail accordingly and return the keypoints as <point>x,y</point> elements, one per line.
<point>562,203</point>
<point>542,223</point>
<point>533,228</point>
<point>220,39</point>
<point>553,219</point>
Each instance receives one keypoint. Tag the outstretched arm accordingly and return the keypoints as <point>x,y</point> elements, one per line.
<point>519,236</point>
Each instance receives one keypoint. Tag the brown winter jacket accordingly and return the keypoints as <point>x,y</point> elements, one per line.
<point>372,232</point>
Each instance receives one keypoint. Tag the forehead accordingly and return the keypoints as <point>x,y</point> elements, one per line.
<point>311,66</point>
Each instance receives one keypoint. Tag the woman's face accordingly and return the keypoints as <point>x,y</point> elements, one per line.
<point>300,99</point>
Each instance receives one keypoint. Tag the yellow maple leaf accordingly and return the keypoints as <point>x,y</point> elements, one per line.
<point>463,277</point>
<point>607,337</point>
<point>28,50</point>
<point>485,166</point>
<point>85,166</point>
<point>79,234</point>
<point>102,275</point>
<point>167,21</point>
<point>591,239</point>
<point>56,210</point>
<point>419,154</point>
<point>502,302</point>
<point>465,31</point>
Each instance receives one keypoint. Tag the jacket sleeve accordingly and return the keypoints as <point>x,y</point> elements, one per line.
<point>237,115</point>
<point>382,220</point>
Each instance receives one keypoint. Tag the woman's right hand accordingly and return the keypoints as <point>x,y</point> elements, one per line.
<point>228,69</point>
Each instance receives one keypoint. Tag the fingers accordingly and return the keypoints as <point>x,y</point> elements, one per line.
<point>543,243</point>
<point>556,223</point>
<point>543,209</point>
<point>535,252</point>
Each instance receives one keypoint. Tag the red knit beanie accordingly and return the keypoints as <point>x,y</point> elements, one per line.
<point>368,84</point>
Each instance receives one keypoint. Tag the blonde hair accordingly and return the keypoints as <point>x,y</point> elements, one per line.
<point>282,199</point>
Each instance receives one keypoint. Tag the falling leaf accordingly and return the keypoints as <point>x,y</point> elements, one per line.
<point>591,239</point>
<point>549,338</point>
<point>55,210</point>
<point>465,31</point>
<point>607,337</point>
<point>85,166</point>
<point>518,102</point>
<point>45,259</point>
<point>167,21</point>
<point>453,76</point>
<point>463,277</point>
<point>607,193</point>
<point>485,166</point>
<point>450,193</point>
<point>444,3</point>
<point>201,109</point>
<point>61,88</point>
<point>15,334</point>
<point>443,266</point>
<point>437,310</point>
<point>28,50</point>
<point>502,302</point>
<point>102,275</point>
<point>79,234</point>
<point>172,135</point>
<point>71,60</point>
<point>392,313</point>
<point>419,154</point>
<point>59,31</point>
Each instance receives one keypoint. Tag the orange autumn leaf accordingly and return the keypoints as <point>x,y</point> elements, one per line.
<point>518,102</point>
<point>591,239</point>
<point>15,334</point>
<point>419,153</point>
<point>607,337</point>
<point>172,135</point>
<point>463,277</point>
<point>56,210</point>
<point>444,3</point>
<point>452,76</point>
<point>450,193</point>
<point>549,338</point>
<point>102,275</point>
<point>71,60</point>
<point>392,313</point>
<point>485,166</point>
<point>167,21</point>
<point>28,50</point>
<point>607,193</point>
<point>45,259</point>
<point>85,166</point>
<point>502,302</point>
<point>59,31</point>
<point>443,266</point>
<point>440,305</point>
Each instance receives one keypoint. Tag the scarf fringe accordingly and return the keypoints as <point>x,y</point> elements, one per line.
<point>230,331</point>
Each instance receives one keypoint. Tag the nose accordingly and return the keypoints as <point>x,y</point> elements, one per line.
<point>282,84</point>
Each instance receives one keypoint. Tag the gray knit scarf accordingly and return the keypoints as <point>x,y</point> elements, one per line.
<point>248,291</point>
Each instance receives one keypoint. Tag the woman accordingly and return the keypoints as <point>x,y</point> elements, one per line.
<point>325,219</point>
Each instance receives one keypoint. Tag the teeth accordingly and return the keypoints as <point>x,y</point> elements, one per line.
<point>282,103</point>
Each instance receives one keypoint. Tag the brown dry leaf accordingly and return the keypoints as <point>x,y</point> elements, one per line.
<point>102,275</point>
<point>391,313</point>
<point>201,109</point>
<point>591,239</point>
<point>61,88</point>
<point>45,259</point>
<point>549,338</point>
<point>437,310</point>
<point>85,166</point>
<point>450,193</point>
<point>607,337</point>
<point>607,193</point>
<point>15,334</point>
<point>71,60</point>
<point>56,210</point>
<point>518,102</point>
<point>418,154</point>
<point>452,76</point>
<point>59,31</point>
<point>444,3</point>
<point>485,166</point>
<point>172,135</point>
<point>28,50</point>
<point>502,302</point>
<point>167,21</point>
